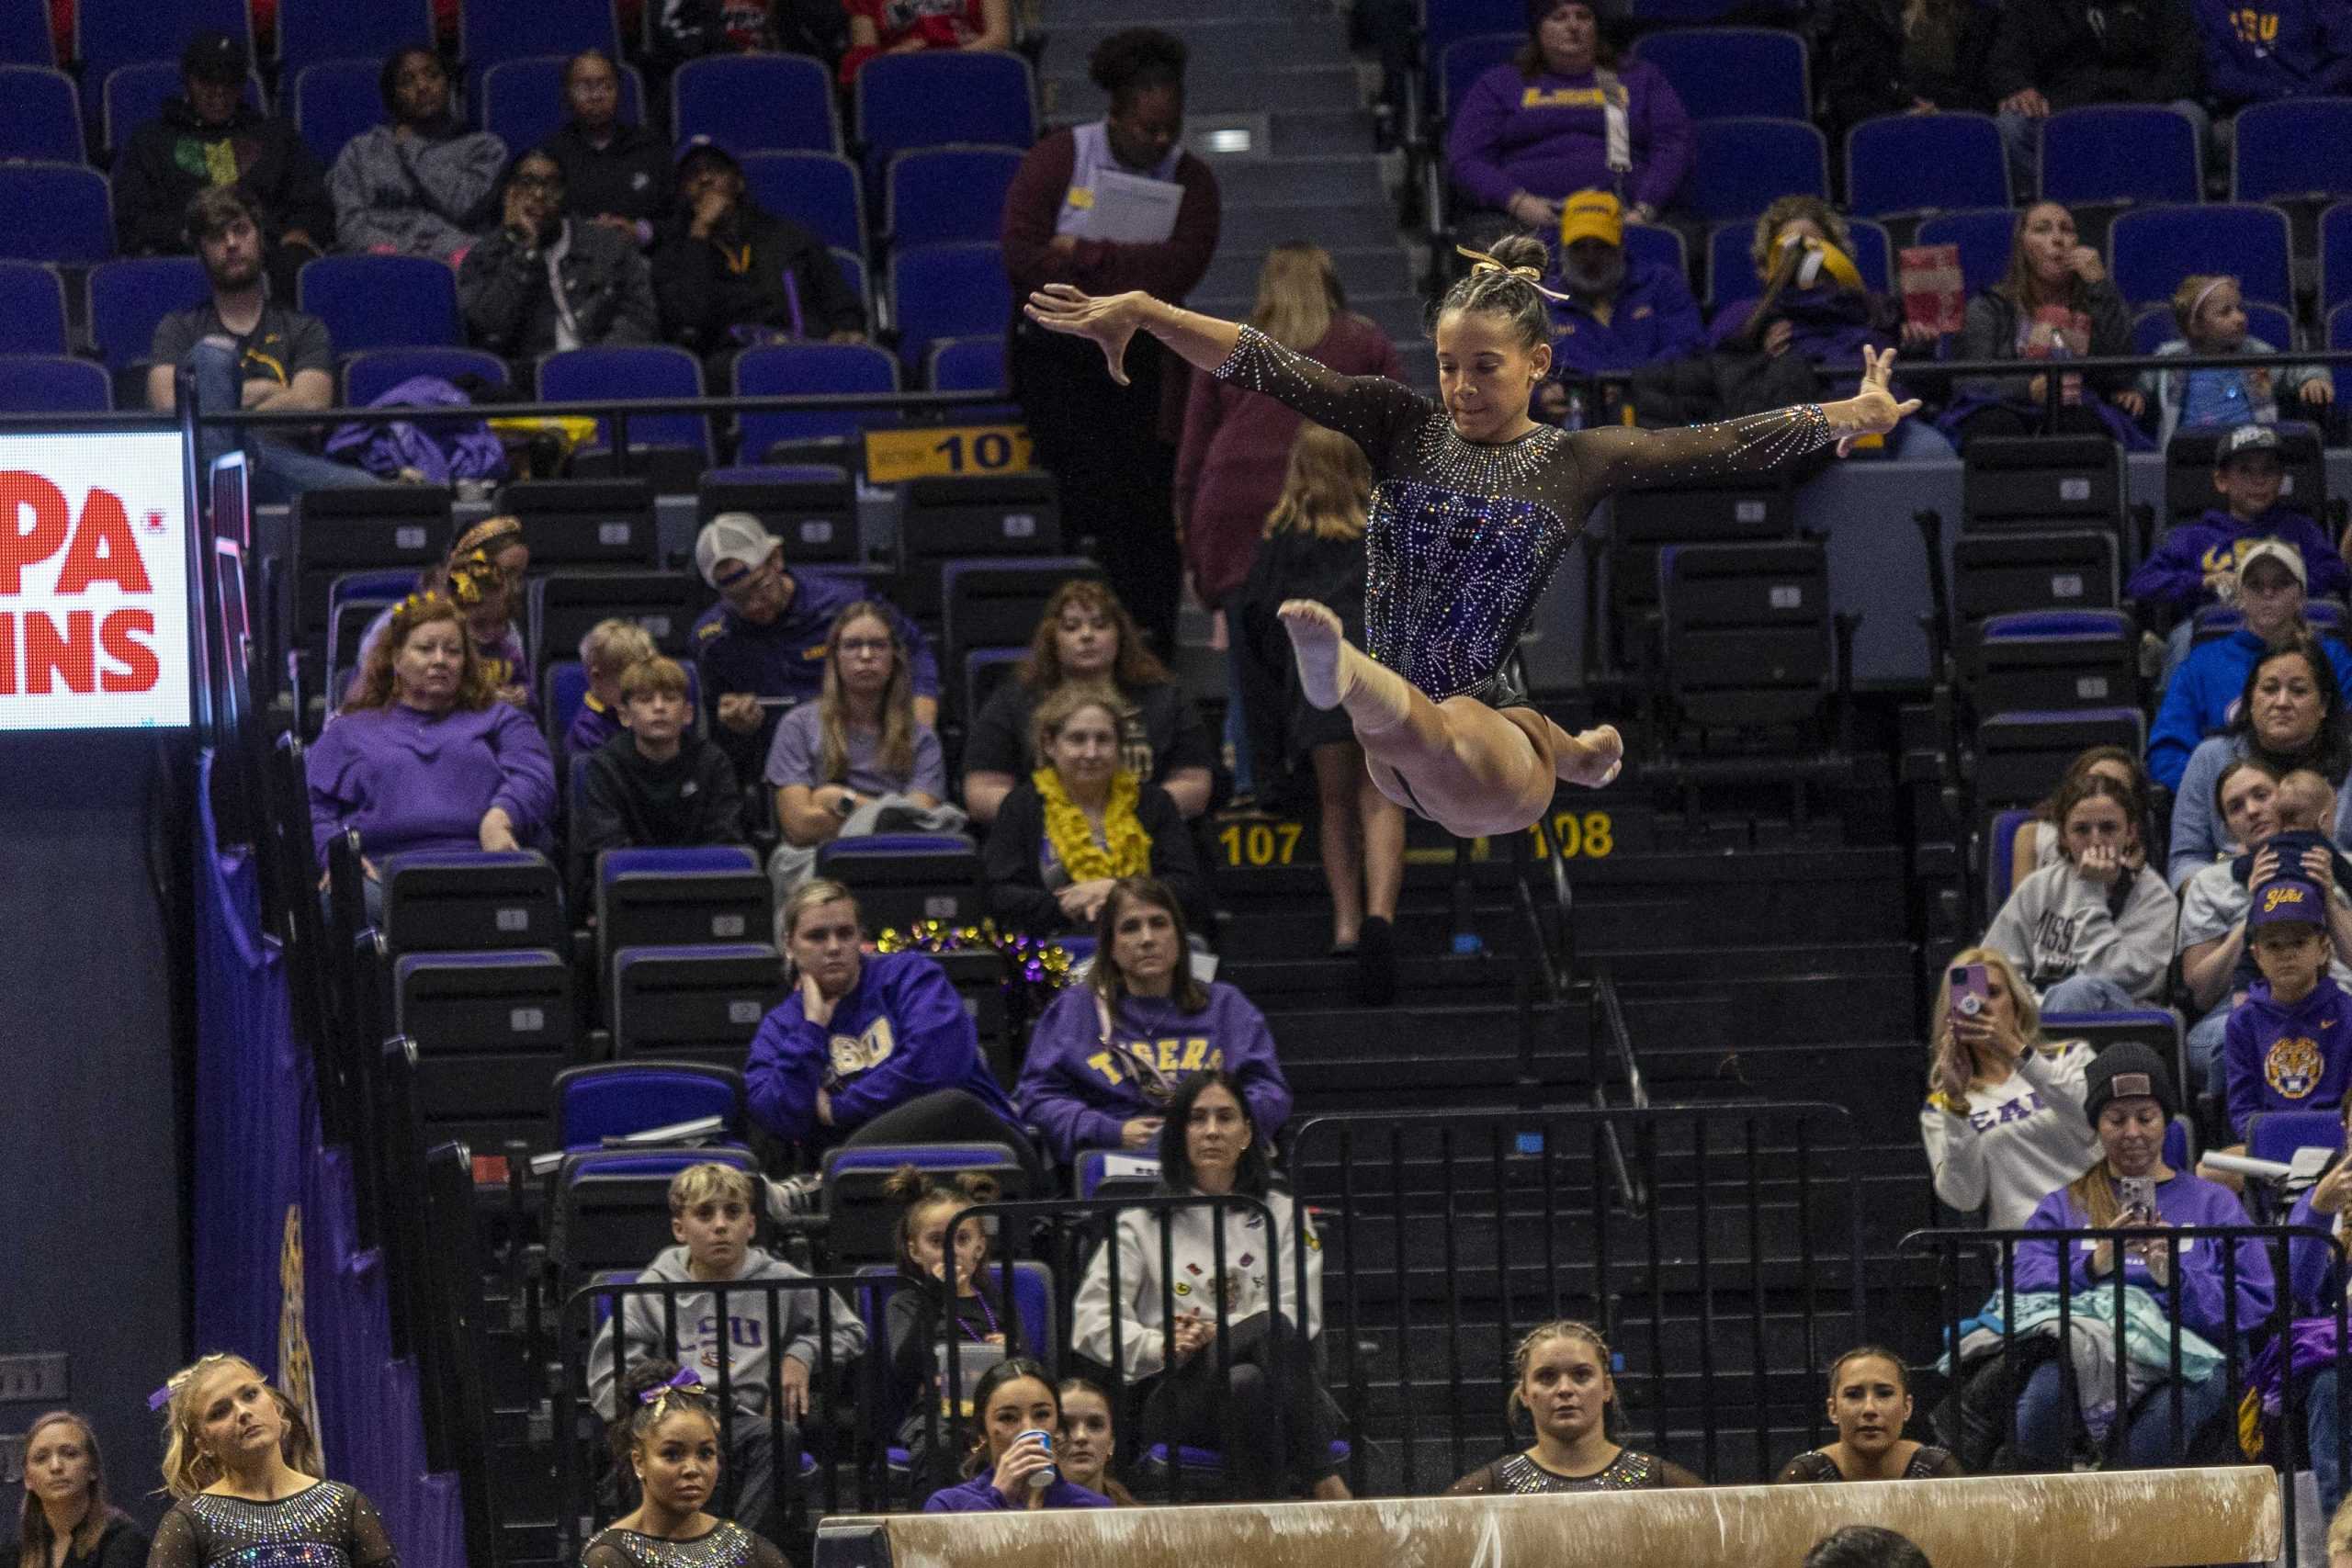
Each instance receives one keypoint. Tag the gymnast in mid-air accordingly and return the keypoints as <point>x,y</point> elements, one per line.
<point>1474,502</point>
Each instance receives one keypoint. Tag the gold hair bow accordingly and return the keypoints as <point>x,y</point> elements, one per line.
<point>1481,262</point>
<point>470,576</point>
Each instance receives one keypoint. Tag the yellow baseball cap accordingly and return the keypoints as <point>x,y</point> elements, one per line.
<point>1592,215</point>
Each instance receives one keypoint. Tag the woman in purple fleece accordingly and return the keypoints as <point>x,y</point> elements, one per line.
<point>1107,1054</point>
<point>423,755</point>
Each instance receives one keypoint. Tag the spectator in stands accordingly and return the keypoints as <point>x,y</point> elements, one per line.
<point>235,1450</point>
<point>2213,934</point>
<point>419,185</point>
<point>2318,1281</point>
<point>1865,1546</point>
<point>610,650</point>
<point>2041,837</point>
<point>1869,1404</point>
<point>2198,698</point>
<point>1815,304</point>
<point>1237,443</point>
<point>1087,1443</point>
<point>2092,933</point>
<point>65,1519</point>
<point>1620,313</point>
<point>1086,636</point>
<point>2197,564</point>
<point>666,1437</point>
<point>762,646</point>
<point>2276,1054</point>
<point>483,574</point>
<point>423,755</point>
<point>1883,57</point>
<point>539,283</point>
<point>714,1214</point>
<point>688,29</point>
<point>856,760</point>
<point>1108,1053</point>
<point>616,175</point>
<point>2065,54</point>
<point>729,275</point>
<point>910,27</point>
<point>2004,1119</point>
<point>1011,1463</point>
<point>2259,56</point>
<point>2130,1097</point>
<point>1069,831</point>
<point>1211,1148</point>
<point>2054,302</point>
<point>1112,443</point>
<point>208,137</point>
<point>2289,715</point>
<point>870,1049</point>
<point>1562,116</point>
<point>1314,550</point>
<point>2209,311</point>
<point>247,351</point>
<point>654,783</point>
<point>919,1322</point>
<point>1560,1378</point>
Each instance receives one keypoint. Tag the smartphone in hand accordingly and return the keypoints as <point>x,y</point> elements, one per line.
<point>1972,990</point>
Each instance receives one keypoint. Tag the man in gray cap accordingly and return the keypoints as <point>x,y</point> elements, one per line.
<point>762,646</point>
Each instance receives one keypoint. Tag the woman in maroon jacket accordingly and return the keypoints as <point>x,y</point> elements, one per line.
<point>1112,447</point>
<point>1237,445</point>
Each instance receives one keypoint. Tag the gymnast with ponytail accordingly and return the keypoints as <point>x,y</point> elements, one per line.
<point>666,1443</point>
<point>1474,502</point>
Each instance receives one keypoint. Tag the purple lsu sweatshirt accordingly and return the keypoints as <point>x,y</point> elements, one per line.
<point>2287,1055</point>
<point>413,781</point>
<point>2175,573</point>
<point>1548,136</point>
<point>2183,1200</point>
<point>1078,1087</point>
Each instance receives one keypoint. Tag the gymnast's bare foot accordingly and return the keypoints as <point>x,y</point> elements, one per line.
<point>1592,758</point>
<point>1315,642</point>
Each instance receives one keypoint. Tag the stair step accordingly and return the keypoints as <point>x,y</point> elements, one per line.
<point>1330,176</point>
<point>1364,269</point>
<point>1256,226</point>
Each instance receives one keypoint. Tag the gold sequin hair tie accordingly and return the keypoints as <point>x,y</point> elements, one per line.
<point>1533,276</point>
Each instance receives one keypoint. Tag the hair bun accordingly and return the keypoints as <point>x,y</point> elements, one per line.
<point>1521,250</point>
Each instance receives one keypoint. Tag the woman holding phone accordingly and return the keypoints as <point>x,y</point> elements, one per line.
<point>2128,1095</point>
<point>2004,1122</point>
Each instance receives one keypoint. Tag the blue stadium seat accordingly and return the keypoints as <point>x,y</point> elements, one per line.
<point>1733,72</point>
<point>1116,1173</point>
<point>904,878</point>
<point>127,298</point>
<point>1983,237</point>
<point>334,100</point>
<point>1449,22</point>
<point>2120,153</point>
<point>491,1030</point>
<point>311,30</point>
<point>854,274</point>
<point>2339,327</point>
<point>2278,1135</point>
<point>1740,166</point>
<point>801,369</point>
<point>1925,163</point>
<point>44,118</point>
<point>1706,13</point>
<point>522,100</point>
<point>968,364</point>
<point>134,95</point>
<point>636,370</point>
<point>610,1207</point>
<point>816,190</point>
<point>700,1003</point>
<point>366,376</point>
<point>936,98</point>
<point>947,291</point>
<point>2295,149</point>
<point>679,897</point>
<point>107,33</point>
<point>944,195</point>
<point>612,1099</point>
<point>497,30</point>
<point>2154,326</point>
<point>2151,249</point>
<point>34,318</point>
<point>2053,659</point>
<point>859,1218</point>
<point>47,383</point>
<point>55,212</point>
<point>469,900</point>
<point>1657,244</point>
<point>25,38</point>
<point>1731,270</point>
<point>1465,60</point>
<point>754,103</point>
<point>2000,857</point>
<point>381,301</point>
<point>2335,255</point>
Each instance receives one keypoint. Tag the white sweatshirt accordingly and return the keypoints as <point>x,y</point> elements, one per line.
<point>1194,1257</point>
<point>2023,1139</point>
<point>2056,926</point>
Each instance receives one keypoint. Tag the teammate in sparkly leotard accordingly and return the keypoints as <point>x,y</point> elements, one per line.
<point>1474,504</point>
<point>1560,1379</point>
<point>667,1439</point>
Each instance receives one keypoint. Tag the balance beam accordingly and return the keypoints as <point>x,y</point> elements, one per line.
<point>2149,1519</point>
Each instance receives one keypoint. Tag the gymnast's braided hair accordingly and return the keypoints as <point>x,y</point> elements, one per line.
<point>1504,281</point>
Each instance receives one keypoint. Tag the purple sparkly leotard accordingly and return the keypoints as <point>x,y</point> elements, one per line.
<point>1463,539</point>
<point>325,1525</point>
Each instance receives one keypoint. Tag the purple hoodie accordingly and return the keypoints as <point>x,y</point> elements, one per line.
<point>409,781</point>
<point>1548,137</point>
<point>980,1496</point>
<point>2183,1200</point>
<point>2175,574</point>
<point>1076,1088</point>
<point>2288,1057</point>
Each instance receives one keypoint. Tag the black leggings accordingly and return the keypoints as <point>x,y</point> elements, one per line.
<point>950,1116</point>
<point>1270,1452</point>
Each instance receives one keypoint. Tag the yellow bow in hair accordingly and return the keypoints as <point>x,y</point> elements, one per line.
<point>1481,262</point>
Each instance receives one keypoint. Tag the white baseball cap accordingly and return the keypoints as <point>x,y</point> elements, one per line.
<point>733,535</point>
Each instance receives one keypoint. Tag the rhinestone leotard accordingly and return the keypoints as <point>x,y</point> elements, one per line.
<point>1463,539</point>
<point>724,1545</point>
<point>325,1525</point>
